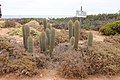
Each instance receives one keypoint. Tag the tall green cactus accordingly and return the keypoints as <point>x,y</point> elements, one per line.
<point>45,23</point>
<point>26,33</point>
<point>52,41</point>
<point>49,26</point>
<point>72,41</point>
<point>76,33</point>
<point>90,39</point>
<point>70,24</point>
<point>73,34</point>
<point>43,41</point>
<point>48,33</point>
<point>30,44</point>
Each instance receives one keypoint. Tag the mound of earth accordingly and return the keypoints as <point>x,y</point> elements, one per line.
<point>34,24</point>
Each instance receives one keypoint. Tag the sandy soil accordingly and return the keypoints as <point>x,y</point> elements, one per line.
<point>97,36</point>
<point>51,74</point>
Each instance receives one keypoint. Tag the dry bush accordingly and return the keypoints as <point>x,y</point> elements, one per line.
<point>113,39</point>
<point>103,58</point>
<point>72,64</point>
<point>10,23</point>
<point>14,59</point>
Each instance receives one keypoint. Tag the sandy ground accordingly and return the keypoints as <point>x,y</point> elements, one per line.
<point>51,74</point>
<point>97,36</point>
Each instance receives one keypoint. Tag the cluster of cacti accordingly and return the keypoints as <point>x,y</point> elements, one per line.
<point>74,33</point>
<point>47,39</point>
<point>30,44</point>
<point>90,39</point>
<point>27,39</point>
<point>26,33</point>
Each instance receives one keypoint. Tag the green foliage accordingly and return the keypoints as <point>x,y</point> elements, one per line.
<point>30,44</point>
<point>52,41</point>
<point>70,25</point>
<point>76,33</point>
<point>43,41</point>
<point>72,41</point>
<point>90,39</point>
<point>45,23</point>
<point>111,28</point>
<point>2,24</point>
<point>18,31</point>
<point>26,33</point>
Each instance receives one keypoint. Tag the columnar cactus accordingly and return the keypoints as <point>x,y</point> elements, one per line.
<point>70,24</point>
<point>52,41</point>
<point>48,33</point>
<point>90,39</point>
<point>26,33</point>
<point>73,34</point>
<point>72,41</point>
<point>49,25</point>
<point>43,41</point>
<point>45,23</point>
<point>76,33</point>
<point>30,44</point>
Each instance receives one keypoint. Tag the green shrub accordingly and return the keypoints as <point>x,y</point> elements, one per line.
<point>111,28</point>
<point>2,24</point>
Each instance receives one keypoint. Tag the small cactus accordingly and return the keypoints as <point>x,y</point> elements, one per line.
<point>76,33</point>
<point>90,39</point>
<point>43,41</point>
<point>30,44</point>
<point>45,23</point>
<point>70,24</point>
<point>72,41</point>
<point>26,33</point>
<point>52,41</point>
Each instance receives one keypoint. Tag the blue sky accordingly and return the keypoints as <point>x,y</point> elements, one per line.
<point>58,7</point>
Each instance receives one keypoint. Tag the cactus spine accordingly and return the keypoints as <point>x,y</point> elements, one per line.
<point>30,44</point>
<point>72,41</point>
<point>52,41</point>
<point>43,41</point>
<point>26,33</point>
<point>76,33</point>
<point>70,24</point>
<point>90,39</point>
<point>45,23</point>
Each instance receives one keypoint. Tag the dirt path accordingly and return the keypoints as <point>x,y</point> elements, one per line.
<point>97,36</point>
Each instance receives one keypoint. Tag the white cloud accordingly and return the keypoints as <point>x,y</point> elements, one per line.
<point>57,7</point>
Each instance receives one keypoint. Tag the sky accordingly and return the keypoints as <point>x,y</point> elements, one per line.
<point>58,7</point>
